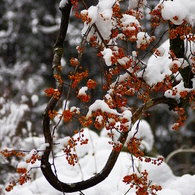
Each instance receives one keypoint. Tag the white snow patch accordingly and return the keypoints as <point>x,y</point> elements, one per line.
<point>22,165</point>
<point>103,106</point>
<point>82,91</point>
<point>142,39</point>
<point>174,12</point>
<point>151,75</point>
<point>107,54</point>
<point>65,141</point>
<point>63,3</point>
<point>178,10</point>
<point>142,130</point>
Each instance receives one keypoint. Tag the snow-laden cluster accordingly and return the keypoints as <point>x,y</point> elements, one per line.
<point>178,10</point>
<point>107,54</point>
<point>92,158</point>
<point>140,130</point>
<point>159,66</point>
<point>103,106</point>
<point>101,15</point>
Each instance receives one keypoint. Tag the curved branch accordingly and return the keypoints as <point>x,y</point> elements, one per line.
<point>172,103</point>
<point>180,150</point>
<point>45,165</point>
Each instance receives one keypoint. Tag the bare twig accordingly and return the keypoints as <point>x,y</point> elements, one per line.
<point>180,150</point>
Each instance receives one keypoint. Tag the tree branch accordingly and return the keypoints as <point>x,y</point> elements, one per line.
<point>45,165</point>
<point>180,150</point>
<point>172,103</point>
<point>177,46</point>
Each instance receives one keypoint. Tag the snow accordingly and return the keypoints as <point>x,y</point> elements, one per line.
<point>92,13</point>
<point>141,130</point>
<point>42,148</point>
<point>159,66</point>
<point>127,20</point>
<point>63,3</point>
<point>142,39</point>
<point>48,29</point>
<point>133,4</point>
<point>100,104</point>
<point>64,141</point>
<point>127,114</point>
<point>93,158</point>
<point>160,51</point>
<point>178,10</point>
<point>162,62</point>
<point>101,15</point>
<point>10,121</point>
<point>99,119</point>
<point>151,75</point>
<point>169,192</point>
<point>175,93</point>
<point>75,109</point>
<point>174,11</point>
<point>82,91</point>
<point>30,154</point>
<point>123,61</point>
<point>107,54</point>
<point>22,165</point>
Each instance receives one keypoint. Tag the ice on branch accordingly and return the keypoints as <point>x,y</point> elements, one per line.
<point>101,105</point>
<point>107,54</point>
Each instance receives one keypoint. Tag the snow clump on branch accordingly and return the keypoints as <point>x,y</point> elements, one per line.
<point>178,11</point>
<point>101,15</point>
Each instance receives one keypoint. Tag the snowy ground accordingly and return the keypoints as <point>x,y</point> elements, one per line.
<point>113,185</point>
